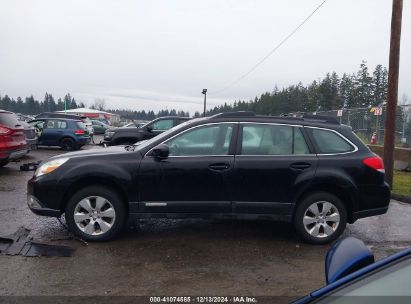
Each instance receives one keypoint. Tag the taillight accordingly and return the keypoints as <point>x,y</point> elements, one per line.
<point>80,132</point>
<point>375,163</point>
<point>4,131</point>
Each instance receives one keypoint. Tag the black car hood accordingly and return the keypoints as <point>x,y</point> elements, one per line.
<point>94,152</point>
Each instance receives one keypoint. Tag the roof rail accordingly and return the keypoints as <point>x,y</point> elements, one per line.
<point>321,118</point>
<point>234,114</point>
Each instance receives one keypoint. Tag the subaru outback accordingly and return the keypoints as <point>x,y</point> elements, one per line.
<point>311,171</point>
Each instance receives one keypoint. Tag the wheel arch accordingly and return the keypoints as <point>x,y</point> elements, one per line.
<point>95,181</point>
<point>343,193</point>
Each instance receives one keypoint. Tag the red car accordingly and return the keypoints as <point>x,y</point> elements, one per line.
<point>13,143</point>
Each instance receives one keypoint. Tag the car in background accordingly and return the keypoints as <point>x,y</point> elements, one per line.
<point>135,125</point>
<point>23,117</point>
<point>99,127</point>
<point>129,136</point>
<point>31,135</point>
<point>69,134</point>
<point>84,119</point>
<point>353,276</point>
<point>13,143</point>
<point>311,172</point>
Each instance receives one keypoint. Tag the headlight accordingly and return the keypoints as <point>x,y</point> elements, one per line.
<point>50,166</point>
<point>108,134</point>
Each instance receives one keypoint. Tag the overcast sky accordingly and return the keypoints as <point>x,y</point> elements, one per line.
<point>162,53</point>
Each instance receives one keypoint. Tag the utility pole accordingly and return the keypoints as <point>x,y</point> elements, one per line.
<point>205,101</point>
<point>392,96</point>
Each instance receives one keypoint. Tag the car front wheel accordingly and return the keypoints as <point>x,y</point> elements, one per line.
<point>320,218</point>
<point>95,214</point>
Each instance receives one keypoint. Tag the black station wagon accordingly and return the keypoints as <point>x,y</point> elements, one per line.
<point>310,171</point>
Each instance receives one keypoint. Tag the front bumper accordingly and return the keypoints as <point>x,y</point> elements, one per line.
<point>35,203</point>
<point>37,208</point>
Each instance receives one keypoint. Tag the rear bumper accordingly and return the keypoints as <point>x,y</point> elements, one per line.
<point>375,201</point>
<point>9,155</point>
<point>83,140</point>
<point>368,213</point>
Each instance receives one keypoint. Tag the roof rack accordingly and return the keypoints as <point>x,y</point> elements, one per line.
<point>321,118</point>
<point>234,114</point>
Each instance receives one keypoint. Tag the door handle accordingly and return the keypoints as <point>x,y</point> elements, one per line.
<point>219,167</point>
<point>300,166</point>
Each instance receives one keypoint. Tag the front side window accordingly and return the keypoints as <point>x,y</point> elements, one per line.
<point>329,142</point>
<point>207,140</point>
<point>265,139</point>
<point>164,124</point>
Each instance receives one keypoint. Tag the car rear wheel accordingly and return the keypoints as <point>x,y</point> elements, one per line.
<point>67,144</point>
<point>95,214</point>
<point>3,163</point>
<point>320,218</point>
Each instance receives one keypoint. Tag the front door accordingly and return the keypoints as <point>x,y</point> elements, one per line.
<point>194,178</point>
<point>272,163</point>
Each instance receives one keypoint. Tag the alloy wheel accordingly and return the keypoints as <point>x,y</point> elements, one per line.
<point>321,219</point>
<point>94,215</point>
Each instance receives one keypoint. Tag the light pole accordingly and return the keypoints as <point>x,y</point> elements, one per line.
<point>205,100</point>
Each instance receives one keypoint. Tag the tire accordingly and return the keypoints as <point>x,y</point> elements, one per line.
<point>67,144</point>
<point>91,223</point>
<point>3,163</point>
<point>315,227</point>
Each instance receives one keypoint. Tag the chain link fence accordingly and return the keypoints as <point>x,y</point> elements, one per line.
<point>369,123</point>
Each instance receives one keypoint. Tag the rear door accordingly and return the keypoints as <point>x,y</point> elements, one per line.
<point>273,161</point>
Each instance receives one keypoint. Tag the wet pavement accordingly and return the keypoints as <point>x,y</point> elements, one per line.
<point>176,257</point>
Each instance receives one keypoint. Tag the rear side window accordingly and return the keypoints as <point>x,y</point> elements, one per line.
<point>272,140</point>
<point>329,142</point>
<point>56,124</point>
<point>9,120</point>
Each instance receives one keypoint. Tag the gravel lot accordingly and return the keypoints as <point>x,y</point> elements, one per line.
<point>176,257</point>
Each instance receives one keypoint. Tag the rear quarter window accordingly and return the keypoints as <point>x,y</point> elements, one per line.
<point>330,142</point>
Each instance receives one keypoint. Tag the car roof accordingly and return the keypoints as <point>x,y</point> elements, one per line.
<point>56,118</point>
<point>305,120</point>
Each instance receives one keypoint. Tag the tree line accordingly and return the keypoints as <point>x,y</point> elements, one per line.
<point>357,90</point>
<point>31,106</point>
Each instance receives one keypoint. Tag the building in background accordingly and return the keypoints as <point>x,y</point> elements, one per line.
<point>113,119</point>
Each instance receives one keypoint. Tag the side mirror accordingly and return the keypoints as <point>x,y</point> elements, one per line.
<point>345,257</point>
<point>149,128</point>
<point>160,152</point>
